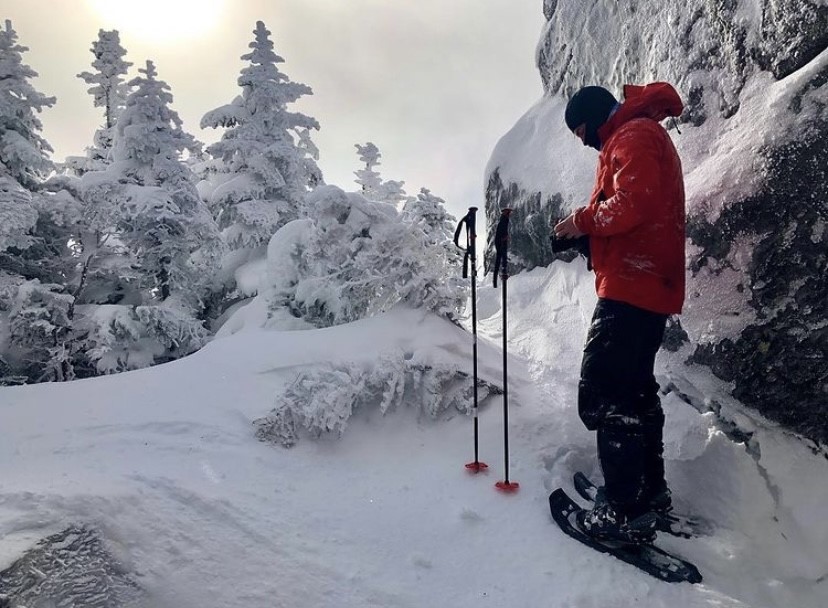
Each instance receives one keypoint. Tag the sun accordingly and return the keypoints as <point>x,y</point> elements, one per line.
<point>159,21</point>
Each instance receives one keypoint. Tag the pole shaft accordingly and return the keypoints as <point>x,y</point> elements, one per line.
<point>505,383</point>
<point>474,345</point>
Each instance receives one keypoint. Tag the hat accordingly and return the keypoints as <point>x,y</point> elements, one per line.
<point>591,106</point>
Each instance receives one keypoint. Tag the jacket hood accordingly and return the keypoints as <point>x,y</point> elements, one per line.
<point>656,101</point>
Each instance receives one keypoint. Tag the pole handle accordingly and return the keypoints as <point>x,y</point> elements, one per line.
<point>469,221</point>
<point>502,244</point>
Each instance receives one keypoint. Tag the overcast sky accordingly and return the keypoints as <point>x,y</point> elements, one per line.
<point>433,83</point>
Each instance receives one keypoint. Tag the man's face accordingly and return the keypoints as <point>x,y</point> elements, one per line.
<point>580,132</point>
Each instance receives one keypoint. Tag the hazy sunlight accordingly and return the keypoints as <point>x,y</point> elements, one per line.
<point>161,21</point>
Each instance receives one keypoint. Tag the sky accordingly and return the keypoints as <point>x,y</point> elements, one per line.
<point>433,83</point>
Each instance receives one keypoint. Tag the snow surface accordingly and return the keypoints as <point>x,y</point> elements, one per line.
<point>163,462</point>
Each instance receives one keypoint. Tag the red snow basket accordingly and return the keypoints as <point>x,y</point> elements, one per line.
<point>476,467</point>
<point>507,487</point>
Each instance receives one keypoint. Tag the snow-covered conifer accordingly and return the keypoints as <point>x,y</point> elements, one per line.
<point>368,178</point>
<point>429,211</point>
<point>118,338</point>
<point>31,244</point>
<point>103,266</point>
<point>392,192</point>
<point>323,399</point>
<point>144,209</point>
<point>108,87</point>
<point>265,159</point>
<point>23,152</point>
<point>372,184</point>
<point>311,155</point>
<point>109,91</point>
<point>17,215</point>
<point>39,325</point>
<point>149,194</point>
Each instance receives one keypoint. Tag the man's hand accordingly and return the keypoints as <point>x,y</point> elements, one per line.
<point>566,228</point>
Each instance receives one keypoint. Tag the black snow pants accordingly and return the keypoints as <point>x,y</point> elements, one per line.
<point>618,398</point>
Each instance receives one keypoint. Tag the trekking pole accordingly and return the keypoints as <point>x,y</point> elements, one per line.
<point>470,257</point>
<point>501,261</point>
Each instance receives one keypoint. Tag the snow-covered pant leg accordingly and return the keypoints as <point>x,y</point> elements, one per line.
<point>653,427</point>
<point>630,459</point>
<point>618,397</point>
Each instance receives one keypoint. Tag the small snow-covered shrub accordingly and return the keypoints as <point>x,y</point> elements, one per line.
<point>354,258</point>
<point>322,400</point>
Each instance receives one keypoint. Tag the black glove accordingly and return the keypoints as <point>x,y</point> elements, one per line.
<point>579,245</point>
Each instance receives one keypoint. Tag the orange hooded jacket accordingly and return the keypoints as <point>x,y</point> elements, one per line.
<point>635,217</point>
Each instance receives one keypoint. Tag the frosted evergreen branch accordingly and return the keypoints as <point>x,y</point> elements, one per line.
<point>322,401</point>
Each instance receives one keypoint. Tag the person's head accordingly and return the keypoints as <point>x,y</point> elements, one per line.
<point>586,111</point>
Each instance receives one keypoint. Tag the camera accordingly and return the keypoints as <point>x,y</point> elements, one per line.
<point>577,245</point>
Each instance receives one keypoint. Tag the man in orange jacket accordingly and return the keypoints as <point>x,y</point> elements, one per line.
<point>635,225</point>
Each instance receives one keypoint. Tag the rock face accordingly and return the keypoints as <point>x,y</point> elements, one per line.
<point>779,362</point>
<point>757,181</point>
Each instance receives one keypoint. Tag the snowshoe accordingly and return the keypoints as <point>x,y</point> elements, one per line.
<point>605,523</point>
<point>645,556</point>
<point>667,520</point>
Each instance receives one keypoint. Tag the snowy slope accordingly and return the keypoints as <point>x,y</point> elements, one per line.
<point>163,462</point>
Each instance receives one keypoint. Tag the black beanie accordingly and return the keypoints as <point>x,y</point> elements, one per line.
<point>590,106</point>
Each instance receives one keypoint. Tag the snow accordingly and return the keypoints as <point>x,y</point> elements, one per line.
<point>541,155</point>
<point>722,156</point>
<point>164,464</point>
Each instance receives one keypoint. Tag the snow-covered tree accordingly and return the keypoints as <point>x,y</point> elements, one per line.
<point>108,86</point>
<point>392,192</point>
<point>372,184</point>
<point>149,194</point>
<point>355,258</point>
<point>32,242</point>
<point>39,326</point>
<point>368,178</point>
<point>104,270</point>
<point>322,399</point>
<point>311,152</point>
<point>429,211</point>
<point>17,215</point>
<point>23,151</point>
<point>109,91</point>
<point>265,161</point>
<point>147,223</point>
<point>116,338</point>
<point>105,267</point>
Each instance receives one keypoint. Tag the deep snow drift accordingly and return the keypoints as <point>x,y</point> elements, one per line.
<point>164,465</point>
